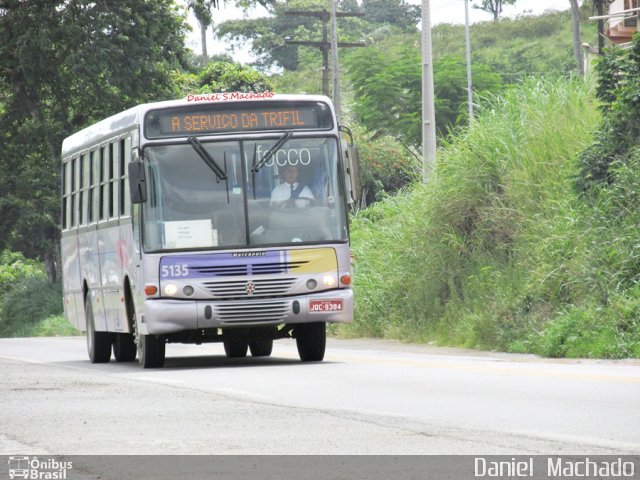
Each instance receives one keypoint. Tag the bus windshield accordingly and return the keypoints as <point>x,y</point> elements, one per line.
<point>292,197</point>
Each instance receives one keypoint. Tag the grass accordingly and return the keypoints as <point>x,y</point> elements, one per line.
<point>498,251</point>
<point>54,326</point>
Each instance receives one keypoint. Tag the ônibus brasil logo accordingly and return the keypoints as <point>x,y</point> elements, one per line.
<point>32,468</point>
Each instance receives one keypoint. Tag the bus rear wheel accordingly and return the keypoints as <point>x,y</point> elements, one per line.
<point>98,343</point>
<point>124,347</point>
<point>151,351</point>
<point>235,347</point>
<point>311,340</point>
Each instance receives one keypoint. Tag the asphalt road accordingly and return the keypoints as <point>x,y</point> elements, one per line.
<point>367,397</point>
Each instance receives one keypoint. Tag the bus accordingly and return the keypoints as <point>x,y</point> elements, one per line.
<point>178,226</point>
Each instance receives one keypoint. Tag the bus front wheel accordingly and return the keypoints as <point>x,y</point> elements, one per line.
<point>98,343</point>
<point>151,351</point>
<point>261,348</point>
<point>311,340</point>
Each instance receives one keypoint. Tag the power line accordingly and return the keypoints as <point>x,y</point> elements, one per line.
<point>324,45</point>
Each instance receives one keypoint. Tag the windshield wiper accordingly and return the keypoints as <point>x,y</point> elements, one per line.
<point>208,159</point>
<point>270,153</point>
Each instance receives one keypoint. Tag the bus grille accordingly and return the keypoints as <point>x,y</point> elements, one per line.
<point>249,288</point>
<point>273,268</point>
<point>250,313</point>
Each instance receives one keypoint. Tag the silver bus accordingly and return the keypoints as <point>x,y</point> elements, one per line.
<point>181,222</point>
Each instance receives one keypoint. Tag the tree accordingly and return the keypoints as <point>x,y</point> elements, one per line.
<point>577,44</point>
<point>202,11</point>
<point>224,77</point>
<point>387,87</point>
<point>392,12</point>
<point>267,34</point>
<point>63,65</point>
<point>494,7</point>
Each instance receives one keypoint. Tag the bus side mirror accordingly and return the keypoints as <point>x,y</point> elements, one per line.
<point>353,158</point>
<point>137,182</point>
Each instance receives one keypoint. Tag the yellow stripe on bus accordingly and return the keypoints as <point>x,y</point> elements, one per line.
<point>319,260</point>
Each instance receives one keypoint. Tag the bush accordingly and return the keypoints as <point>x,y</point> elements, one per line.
<point>27,298</point>
<point>595,331</point>
<point>385,166</point>
<point>54,326</point>
<point>30,301</point>
<point>493,247</point>
<point>619,90</point>
<point>14,267</point>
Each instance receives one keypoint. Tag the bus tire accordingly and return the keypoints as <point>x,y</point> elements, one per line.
<point>151,351</point>
<point>235,347</point>
<point>261,348</point>
<point>124,347</point>
<point>311,340</point>
<point>98,343</point>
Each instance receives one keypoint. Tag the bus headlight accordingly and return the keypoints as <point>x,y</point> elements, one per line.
<point>329,280</point>
<point>170,290</point>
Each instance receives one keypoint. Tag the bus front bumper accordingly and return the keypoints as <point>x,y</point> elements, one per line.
<point>163,316</point>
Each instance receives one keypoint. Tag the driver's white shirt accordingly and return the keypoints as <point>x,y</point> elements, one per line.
<point>283,192</point>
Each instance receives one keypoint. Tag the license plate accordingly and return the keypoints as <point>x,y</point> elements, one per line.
<point>325,306</point>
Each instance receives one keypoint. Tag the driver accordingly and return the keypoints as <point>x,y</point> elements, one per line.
<point>290,190</point>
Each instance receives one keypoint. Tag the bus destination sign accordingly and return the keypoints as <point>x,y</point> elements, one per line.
<point>241,117</point>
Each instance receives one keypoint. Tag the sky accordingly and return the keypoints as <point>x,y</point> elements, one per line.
<point>442,11</point>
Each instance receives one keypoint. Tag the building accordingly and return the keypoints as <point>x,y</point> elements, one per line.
<point>622,21</point>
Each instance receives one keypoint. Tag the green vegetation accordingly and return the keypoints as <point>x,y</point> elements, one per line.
<point>387,83</point>
<point>617,139</point>
<point>498,251</point>
<point>29,304</point>
<point>222,76</point>
<point>385,166</point>
<point>521,47</point>
<point>494,7</point>
<point>64,66</point>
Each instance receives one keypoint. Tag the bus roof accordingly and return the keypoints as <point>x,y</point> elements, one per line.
<point>133,117</point>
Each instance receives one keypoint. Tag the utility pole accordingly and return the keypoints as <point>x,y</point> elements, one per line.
<point>469,80</point>
<point>600,4</point>
<point>325,45</point>
<point>334,59</point>
<point>428,110</point>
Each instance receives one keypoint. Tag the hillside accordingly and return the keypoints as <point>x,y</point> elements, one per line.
<point>527,45</point>
<point>498,251</point>
<point>514,48</point>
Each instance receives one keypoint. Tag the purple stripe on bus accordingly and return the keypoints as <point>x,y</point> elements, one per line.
<point>223,264</point>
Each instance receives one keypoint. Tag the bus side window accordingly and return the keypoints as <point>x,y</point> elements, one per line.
<point>113,179</point>
<point>84,189</point>
<point>125,158</point>
<point>95,185</point>
<point>104,183</point>
<point>80,189</point>
<point>73,187</point>
<point>65,195</point>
